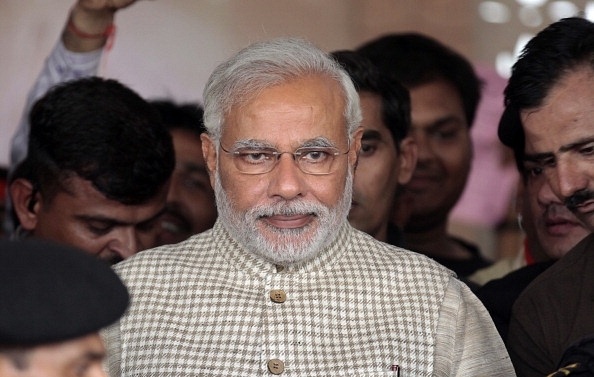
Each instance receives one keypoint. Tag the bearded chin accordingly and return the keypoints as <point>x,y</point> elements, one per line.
<point>278,245</point>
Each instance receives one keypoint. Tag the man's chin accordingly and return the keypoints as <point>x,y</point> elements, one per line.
<point>286,245</point>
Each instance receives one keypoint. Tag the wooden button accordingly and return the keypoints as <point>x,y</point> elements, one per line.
<point>278,295</point>
<point>275,366</point>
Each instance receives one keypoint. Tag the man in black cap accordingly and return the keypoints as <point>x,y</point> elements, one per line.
<point>54,299</point>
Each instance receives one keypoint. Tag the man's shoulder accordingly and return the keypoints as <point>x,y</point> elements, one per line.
<point>561,278</point>
<point>383,255</point>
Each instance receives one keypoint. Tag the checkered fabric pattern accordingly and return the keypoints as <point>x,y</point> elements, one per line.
<point>203,308</point>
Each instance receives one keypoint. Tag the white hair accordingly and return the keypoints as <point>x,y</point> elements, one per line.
<point>266,64</point>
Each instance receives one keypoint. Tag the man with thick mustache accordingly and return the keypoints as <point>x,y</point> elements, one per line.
<point>282,284</point>
<point>551,231</point>
<point>549,124</point>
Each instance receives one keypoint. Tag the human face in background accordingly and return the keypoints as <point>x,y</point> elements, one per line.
<point>380,170</point>
<point>441,132</point>
<point>293,213</point>
<point>551,229</point>
<point>559,141</point>
<point>190,205</point>
<point>80,357</point>
<point>84,218</point>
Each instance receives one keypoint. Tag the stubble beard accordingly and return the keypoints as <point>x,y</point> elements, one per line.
<point>279,245</point>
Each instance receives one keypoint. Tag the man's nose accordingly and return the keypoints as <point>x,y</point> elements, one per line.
<point>286,179</point>
<point>424,147</point>
<point>125,243</point>
<point>546,196</point>
<point>570,178</point>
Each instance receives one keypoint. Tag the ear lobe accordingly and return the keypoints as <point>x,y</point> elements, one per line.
<point>25,202</point>
<point>209,151</point>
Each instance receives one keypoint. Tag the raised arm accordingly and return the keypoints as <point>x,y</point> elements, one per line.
<point>77,54</point>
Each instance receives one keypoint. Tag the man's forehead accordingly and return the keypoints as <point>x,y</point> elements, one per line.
<point>295,111</point>
<point>85,201</point>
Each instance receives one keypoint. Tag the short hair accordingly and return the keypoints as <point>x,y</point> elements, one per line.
<point>103,132</point>
<point>187,116</point>
<point>547,58</point>
<point>415,59</point>
<point>395,99</point>
<point>266,64</point>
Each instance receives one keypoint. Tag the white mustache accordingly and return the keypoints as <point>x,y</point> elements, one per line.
<point>286,208</point>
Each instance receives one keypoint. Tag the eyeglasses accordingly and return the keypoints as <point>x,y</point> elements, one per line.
<point>310,160</point>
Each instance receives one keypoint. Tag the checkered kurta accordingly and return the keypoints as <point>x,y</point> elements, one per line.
<point>206,307</point>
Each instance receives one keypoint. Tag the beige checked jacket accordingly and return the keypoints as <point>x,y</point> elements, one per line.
<point>206,307</point>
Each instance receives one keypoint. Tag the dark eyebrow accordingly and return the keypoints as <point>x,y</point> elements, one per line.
<point>538,157</point>
<point>445,121</point>
<point>577,144</point>
<point>371,135</point>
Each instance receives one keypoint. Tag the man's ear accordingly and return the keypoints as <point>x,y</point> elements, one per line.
<point>355,147</point>
<point>209,151</point>
<point>407,159</point>
<point>25,202</point>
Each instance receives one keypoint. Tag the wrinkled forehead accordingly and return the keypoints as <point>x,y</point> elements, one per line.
<point>301,109</point>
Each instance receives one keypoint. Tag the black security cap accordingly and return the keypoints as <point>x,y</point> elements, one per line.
<point>51,293</point>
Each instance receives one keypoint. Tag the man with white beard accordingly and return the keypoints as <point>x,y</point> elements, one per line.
<point>282,284</point>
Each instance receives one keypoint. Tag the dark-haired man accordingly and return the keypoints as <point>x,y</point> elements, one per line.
<point>190,205</point>
<point>97,169</point>
<point>388,154</point>
<point>548,123</point>
<point>444,94</point>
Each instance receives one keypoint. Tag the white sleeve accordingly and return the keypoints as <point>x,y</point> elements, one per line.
<point>468,343</point>
<point>62,65</point>
<point>113,346</point>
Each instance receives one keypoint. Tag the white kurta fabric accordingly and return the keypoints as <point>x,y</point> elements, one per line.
<point>203,308</point>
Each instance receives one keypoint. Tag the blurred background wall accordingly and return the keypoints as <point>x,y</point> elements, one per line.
<point>167,48</point>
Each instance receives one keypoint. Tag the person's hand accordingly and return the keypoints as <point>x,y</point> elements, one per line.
<point>89,22</point>
<point>104,5</point>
